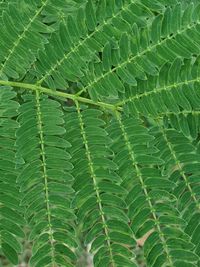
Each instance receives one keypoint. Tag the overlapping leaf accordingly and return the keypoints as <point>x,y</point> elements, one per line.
<point>143,52</point>
<point>11,213</point>
<point>135,172</point>
<point>182,161</point>
<point>99,203</point>
<point>176,88</point>
<point>46,182</point>
<point>150,203</point>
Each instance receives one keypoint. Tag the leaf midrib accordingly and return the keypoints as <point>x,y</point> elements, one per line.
<point>21,36</point>
<point>80,43</point>
<point>132,58</point>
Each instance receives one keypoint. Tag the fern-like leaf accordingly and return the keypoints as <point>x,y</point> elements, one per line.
<point>181,159</point>
<point>45,182</point>
<point>166,93</point>
<point>167,37</point>
<point>11,213</point>
<point>99,149</point>
<point>81,37</point>
<point>150,204</point>
<point>99,195</point>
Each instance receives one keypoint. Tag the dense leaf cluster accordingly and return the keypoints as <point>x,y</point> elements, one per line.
<point>99,132</point>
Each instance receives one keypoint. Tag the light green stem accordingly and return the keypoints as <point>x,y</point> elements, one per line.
<point>51,92</point>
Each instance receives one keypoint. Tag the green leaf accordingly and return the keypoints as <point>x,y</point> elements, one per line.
<point>106,57</point>
<point>10,253</point>
<point>90,16</point>
<point>99,132</point>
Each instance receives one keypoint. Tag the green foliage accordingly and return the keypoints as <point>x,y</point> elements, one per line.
<point>99,132</point>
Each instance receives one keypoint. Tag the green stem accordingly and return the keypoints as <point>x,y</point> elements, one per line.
<point>48,91</point>
<point>158,90</point>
